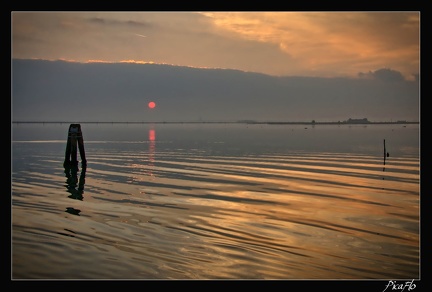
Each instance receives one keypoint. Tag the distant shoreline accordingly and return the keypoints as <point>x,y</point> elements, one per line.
<point>222,122</point>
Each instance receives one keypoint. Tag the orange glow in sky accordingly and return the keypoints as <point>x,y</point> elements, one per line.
<point>151,104</point>
<point>319,44</point>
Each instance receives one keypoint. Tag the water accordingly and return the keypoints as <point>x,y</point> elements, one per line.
<point>217,201</point>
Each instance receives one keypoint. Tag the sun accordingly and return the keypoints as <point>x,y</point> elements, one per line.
<point>151,104</point>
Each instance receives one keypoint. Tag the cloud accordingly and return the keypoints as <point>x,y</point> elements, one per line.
<point>384,74</point>
<point>48,90</point>
<point>329,44</point>
<point>332,44</point>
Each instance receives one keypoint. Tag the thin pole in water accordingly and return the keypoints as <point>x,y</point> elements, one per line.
<point>386,154</point>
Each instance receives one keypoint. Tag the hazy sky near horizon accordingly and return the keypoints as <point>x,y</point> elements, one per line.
<point>313,44</point>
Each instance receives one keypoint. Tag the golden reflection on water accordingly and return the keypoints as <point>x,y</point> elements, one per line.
<point>194,215</point>
<point>284,214</point>
<point>152,150</point>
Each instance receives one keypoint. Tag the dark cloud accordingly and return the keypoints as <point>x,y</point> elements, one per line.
<point>383,74</point>
<point>70,91</point>
<point>97,20</point>
<point>129,23</point>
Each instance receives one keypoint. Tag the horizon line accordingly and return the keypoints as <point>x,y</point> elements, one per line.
<point>313,122</point>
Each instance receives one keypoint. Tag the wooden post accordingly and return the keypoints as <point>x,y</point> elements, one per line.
<point>74,140</point>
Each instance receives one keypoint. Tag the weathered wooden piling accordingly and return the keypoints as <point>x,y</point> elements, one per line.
<point>75,138</point>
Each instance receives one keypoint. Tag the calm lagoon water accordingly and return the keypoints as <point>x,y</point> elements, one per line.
<point>217,201</point>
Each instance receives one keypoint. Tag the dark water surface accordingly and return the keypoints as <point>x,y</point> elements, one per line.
<point>217,201</point>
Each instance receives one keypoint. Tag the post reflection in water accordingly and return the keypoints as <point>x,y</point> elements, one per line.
<point>152,148</point>
<point>75,186</point>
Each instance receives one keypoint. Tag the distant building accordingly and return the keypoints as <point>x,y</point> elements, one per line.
<point>357,121</point>
<point>247,121</point>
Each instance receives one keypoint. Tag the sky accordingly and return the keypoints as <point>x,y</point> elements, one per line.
<point>312,44</point>
<point>262,66</point>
